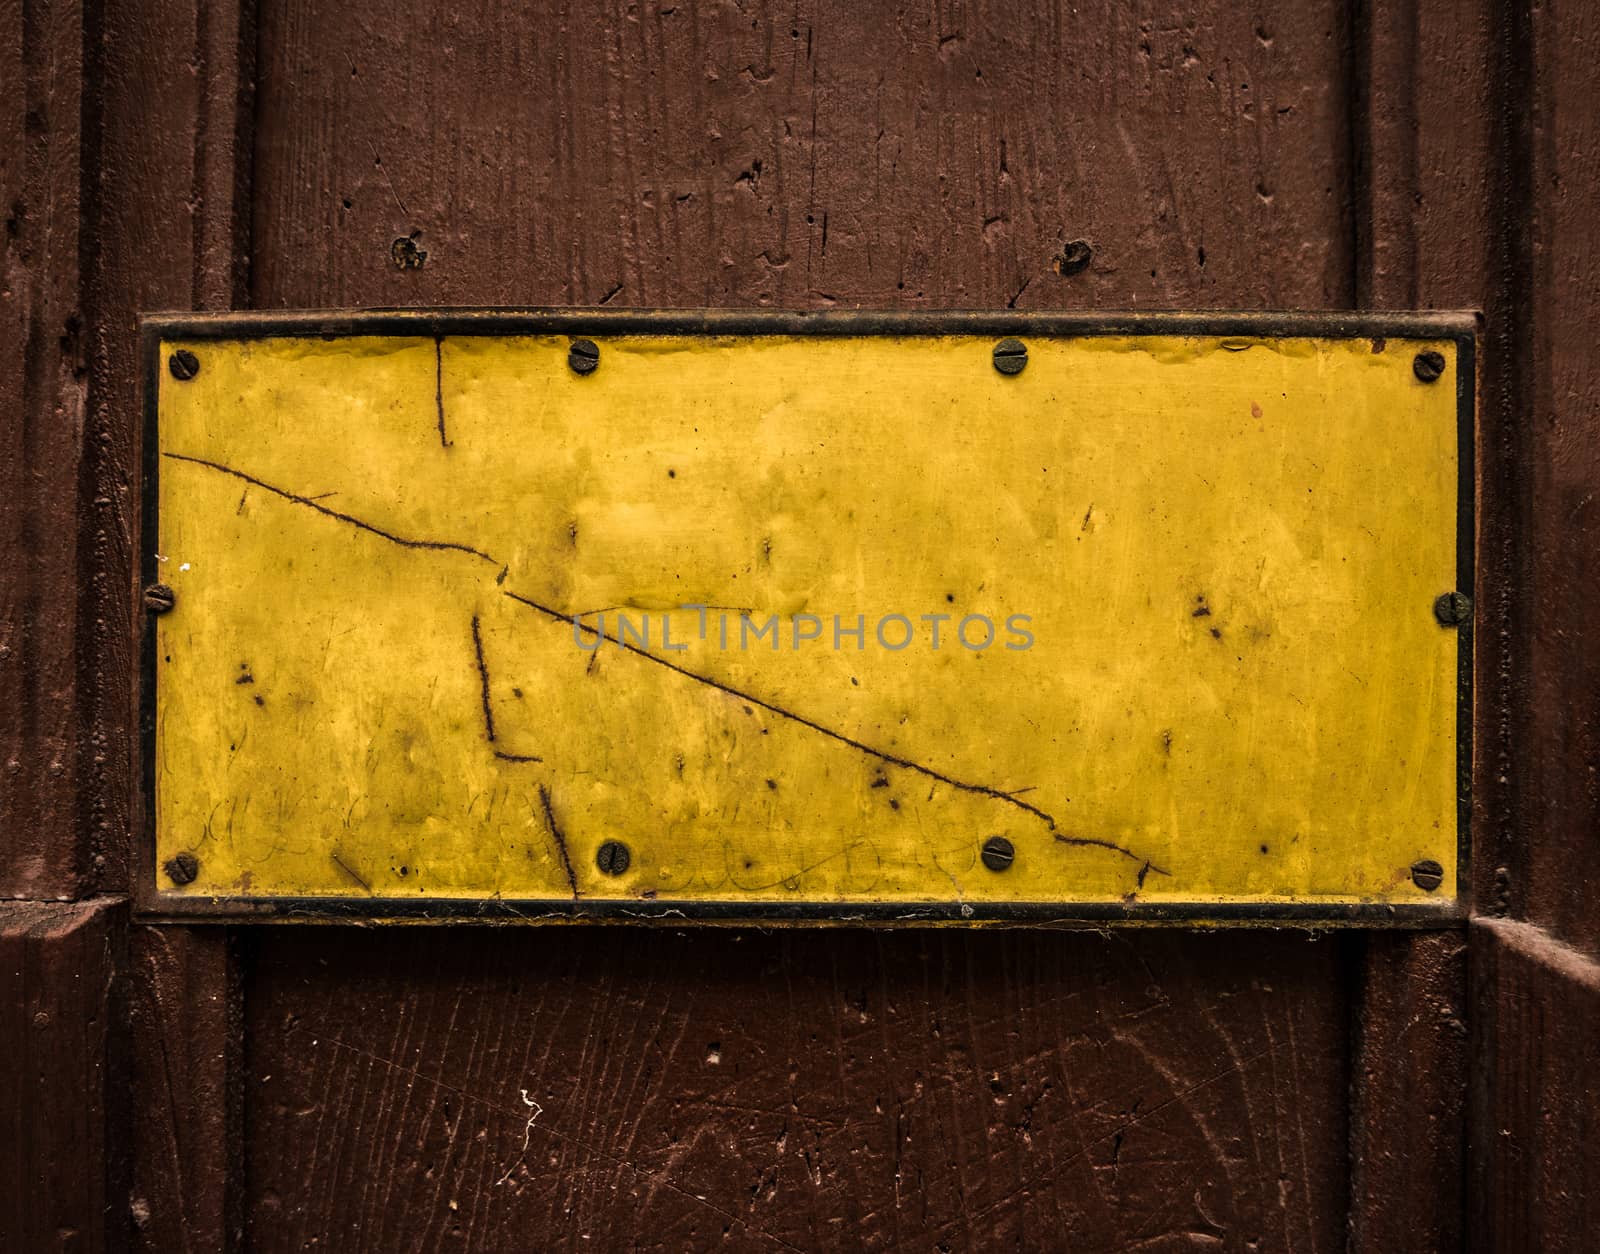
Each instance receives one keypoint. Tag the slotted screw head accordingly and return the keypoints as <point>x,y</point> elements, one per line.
<point>583,356</point>
<point>1428,366</point>
<point>998,853</point>
<point>613,857</point>
<point>1453,609</point>
<point>182,868</point>
<point>1427,874</point>
<point>1010,356</point>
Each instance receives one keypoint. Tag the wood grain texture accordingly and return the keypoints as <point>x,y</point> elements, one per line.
<point>827,1089</point>
<point>42,389</point>
<point>1535,1091</point>
<point>803,1090</point>
<point>803,155</point>
<point>1408,1073</point>
<point>63,1090</point>
<point>186,1015</point>
<point>168,201</point>
<point>1535,983</point>
<point>168,204</point>
<point>1425,92</point>
<point>1562,410</point>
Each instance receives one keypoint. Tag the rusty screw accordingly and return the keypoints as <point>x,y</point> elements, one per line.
<point>1010,356</point>
<point>159,598</point>
<point>1427,874</point>
<point>583,356</point>
<point>1453,609</point>
<point>1074,258</point>
<point>1428,366</point>
<point>182,868</point>
<point>998,853</point>
<point>406,255</point>
<point>613,857</point>
<point>183,364</point>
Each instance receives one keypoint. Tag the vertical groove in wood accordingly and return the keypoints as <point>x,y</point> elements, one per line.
<point>63,1092</point>
<point>1559,393</point>
<point>173,83</point>
<point>1535,1091</point>
<point>1535,983</point>
<point>42,388</point>
<point>1423,108</point>
<point>187,1045</point>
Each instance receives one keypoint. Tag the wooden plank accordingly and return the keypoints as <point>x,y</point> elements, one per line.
<point>504,1089</point>
<point>63,1168</point>
<point>170,201</point>
<point>1554,882</point>
<point>808,155</point>
<point>1536,1091</point>
<point>1174,1089</point>
<point>1407,1118</point>
<point>1424,108</point>
<point>1535,982</point>
<point>186,1013</point>
<point>42,386</point>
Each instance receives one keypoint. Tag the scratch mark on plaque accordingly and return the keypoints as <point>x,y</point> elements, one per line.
<point>560,840</point>
<point>488,707</point>
<point>438,386</point>
<point>345,867</point>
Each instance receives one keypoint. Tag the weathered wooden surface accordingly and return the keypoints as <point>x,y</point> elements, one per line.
<point>1561,374</point>
<point>63,1088</point>
<point>186,1018</point>
<point>1535,1091</point>
<point>804,155</point>
<point>1423,95</point>
<point>800,1090</point>
<point>42,386</point>
<point>1301,154</point>
<point>1536,986</point>
<point>822,155</point>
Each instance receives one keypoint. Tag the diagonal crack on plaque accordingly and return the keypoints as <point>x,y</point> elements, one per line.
<point>1092,842</point>
<point>982,790</point>
<point>444,546</point>
<point>488,708</point>
<point>560,840</point>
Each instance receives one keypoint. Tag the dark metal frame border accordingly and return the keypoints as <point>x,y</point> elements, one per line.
<point>153,905</point>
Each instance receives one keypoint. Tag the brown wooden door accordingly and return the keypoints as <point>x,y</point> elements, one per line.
<point>276,1087</point>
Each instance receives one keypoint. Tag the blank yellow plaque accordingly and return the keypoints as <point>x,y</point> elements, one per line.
<point>810,617</point>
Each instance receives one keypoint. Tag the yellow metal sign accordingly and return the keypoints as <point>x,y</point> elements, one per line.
<point>809,618</point>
